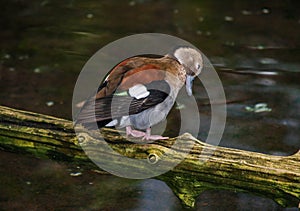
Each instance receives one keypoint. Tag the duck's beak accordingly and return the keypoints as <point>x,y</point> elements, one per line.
<point>189,84</point>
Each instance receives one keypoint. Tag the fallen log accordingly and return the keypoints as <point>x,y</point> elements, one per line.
<point>201,166</point>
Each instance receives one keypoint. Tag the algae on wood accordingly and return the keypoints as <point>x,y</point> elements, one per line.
<point>276,177</point>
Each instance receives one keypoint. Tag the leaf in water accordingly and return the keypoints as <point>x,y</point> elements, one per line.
<point>258,108</point>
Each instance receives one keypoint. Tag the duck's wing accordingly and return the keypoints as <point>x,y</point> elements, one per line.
<point>131,87</point>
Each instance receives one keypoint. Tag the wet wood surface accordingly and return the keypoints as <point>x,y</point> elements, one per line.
<point>197,166</point>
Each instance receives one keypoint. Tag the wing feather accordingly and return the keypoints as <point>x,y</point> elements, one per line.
<point>103,110</point>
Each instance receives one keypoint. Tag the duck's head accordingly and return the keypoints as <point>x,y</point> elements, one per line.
<point>192,61</point>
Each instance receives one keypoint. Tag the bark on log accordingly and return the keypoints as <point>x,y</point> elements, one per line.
<point>205,167</point>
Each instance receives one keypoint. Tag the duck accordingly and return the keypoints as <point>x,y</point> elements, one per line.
<point>140,91</point>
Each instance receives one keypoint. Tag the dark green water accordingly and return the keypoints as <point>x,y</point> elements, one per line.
<point>254,46</point>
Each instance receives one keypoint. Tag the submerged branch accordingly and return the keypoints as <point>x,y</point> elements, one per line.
<point>201,166</point>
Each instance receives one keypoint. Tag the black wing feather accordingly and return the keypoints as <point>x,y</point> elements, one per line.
<point>103,110</point>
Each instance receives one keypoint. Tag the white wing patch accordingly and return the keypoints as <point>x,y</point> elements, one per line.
<point>124,121</point>
<point>138,91</point>
<point>112,123</point>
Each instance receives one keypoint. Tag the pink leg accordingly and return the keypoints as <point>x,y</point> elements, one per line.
<point>148,136</point>
<point>134,133</point>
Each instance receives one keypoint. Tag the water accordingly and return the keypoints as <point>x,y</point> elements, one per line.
<point>254,46</point>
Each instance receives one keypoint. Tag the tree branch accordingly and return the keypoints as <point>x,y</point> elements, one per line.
<point>201,166</point>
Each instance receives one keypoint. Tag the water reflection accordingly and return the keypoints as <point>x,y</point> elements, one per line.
<point>214,200</point>
<point>254,46</point>
<point>257,129</point>
<point>47,185</point>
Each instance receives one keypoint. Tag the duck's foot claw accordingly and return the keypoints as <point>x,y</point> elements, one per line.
<point>144,135</point>
<point>154,137</point>
<point>148,136</point>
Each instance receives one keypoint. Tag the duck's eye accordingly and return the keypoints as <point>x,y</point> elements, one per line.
<point>198,66</point>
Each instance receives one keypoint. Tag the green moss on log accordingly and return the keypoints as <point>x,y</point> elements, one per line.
<point>205,168</point>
